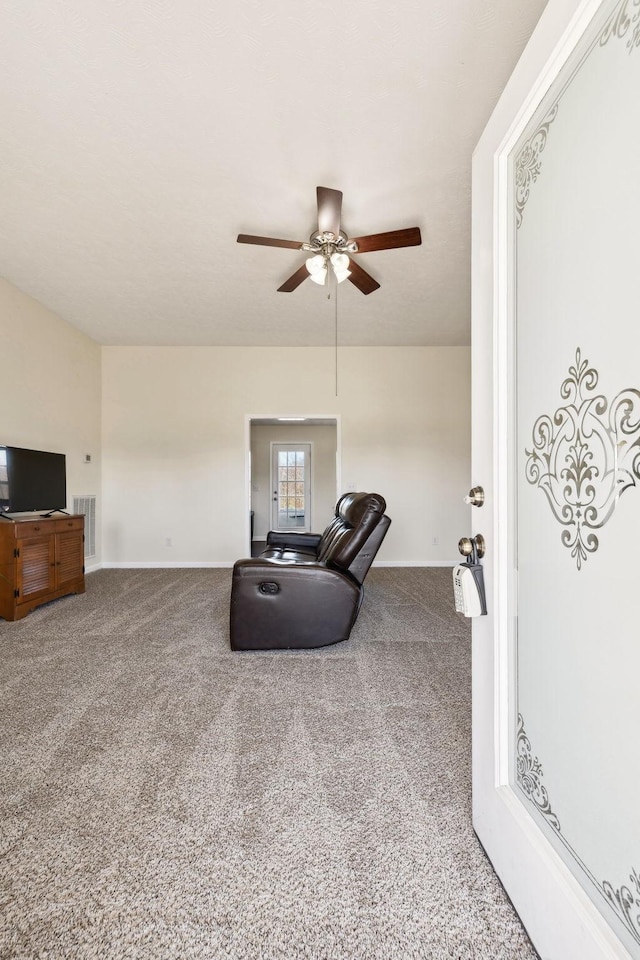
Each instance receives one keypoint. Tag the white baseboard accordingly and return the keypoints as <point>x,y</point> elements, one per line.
<point>415,563</point>
<point>163,565</point>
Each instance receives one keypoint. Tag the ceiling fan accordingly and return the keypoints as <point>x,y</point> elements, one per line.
<point>329,247</point>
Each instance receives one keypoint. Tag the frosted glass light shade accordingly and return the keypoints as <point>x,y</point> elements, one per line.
<point>342,275</point>
<point>339,262</point>
<point>315,264</point>
<point>319,276</point>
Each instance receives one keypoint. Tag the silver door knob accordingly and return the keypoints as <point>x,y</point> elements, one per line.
<point>467,546</point>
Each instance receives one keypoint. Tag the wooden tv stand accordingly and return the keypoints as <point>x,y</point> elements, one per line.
<point>41,559</point>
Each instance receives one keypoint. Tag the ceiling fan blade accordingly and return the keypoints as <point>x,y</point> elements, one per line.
<point>410,237</point>
<point>329,210</point>
<point>270,241</point>
<point>362,280</point>
<point>294,280</point>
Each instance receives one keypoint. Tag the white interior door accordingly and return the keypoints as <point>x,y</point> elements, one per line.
<point>291,485</point>
<point>556,446</point>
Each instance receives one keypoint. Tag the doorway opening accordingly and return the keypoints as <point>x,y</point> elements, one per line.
<point>293,474</point>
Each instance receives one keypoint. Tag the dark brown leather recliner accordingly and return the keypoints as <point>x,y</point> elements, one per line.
<point>305,590</point>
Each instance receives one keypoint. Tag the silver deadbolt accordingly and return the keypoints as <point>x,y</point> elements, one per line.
<point>475,497</point>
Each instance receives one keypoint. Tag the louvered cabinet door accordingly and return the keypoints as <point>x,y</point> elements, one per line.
<point>36,568</point>
<point>69,554</point>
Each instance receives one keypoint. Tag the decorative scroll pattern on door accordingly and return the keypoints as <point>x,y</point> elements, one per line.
<point>529,776</point>
<point>528,163</point>
<point>625,18</point>
<point>623,24</point>
<point>626,902</point>
<point>585,456</point>
<point>625,899</point>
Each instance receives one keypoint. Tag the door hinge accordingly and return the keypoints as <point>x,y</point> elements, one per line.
<point>16,594</point>
<point>16,552</point>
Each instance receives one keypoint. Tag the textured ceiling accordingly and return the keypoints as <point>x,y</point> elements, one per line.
<point>139,138</point>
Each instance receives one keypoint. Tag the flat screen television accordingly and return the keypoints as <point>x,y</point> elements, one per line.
<point>32,480</point>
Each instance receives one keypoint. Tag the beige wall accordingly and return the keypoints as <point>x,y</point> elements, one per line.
<point>50,392</point>
<point>323,438</point>
<point>175,439</point>
<point>170,462</point>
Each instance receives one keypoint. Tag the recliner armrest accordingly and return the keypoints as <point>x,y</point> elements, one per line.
<point>280,604</point>
<point>296,541</point>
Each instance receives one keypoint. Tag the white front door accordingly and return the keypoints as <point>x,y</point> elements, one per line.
<point>556,447</point>
<point>291,486</point>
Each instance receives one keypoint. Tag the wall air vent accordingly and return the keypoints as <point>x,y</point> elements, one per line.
<point>87,505</point>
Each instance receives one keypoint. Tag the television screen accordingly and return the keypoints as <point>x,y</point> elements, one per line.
<point>32,480</point>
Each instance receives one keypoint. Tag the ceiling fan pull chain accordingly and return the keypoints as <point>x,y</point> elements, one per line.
<point>336,336</point>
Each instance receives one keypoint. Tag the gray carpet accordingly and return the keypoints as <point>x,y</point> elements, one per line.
<point>163,797</point>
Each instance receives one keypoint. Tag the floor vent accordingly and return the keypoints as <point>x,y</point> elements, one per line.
<point>87,505</point>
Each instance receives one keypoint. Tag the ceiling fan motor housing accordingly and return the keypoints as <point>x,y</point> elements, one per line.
<point>327,243</point>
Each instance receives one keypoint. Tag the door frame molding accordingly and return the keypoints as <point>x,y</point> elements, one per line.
<point>559,901</point>
<point>250,418</point>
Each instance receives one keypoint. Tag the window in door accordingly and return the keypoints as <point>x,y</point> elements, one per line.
<point>291,485</point>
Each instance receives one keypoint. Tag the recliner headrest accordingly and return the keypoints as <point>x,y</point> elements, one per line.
<point>352,507</point>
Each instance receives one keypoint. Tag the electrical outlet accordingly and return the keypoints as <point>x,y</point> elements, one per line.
<point>167,542</point>
<point>87,458</point>
<point>435,541</point>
